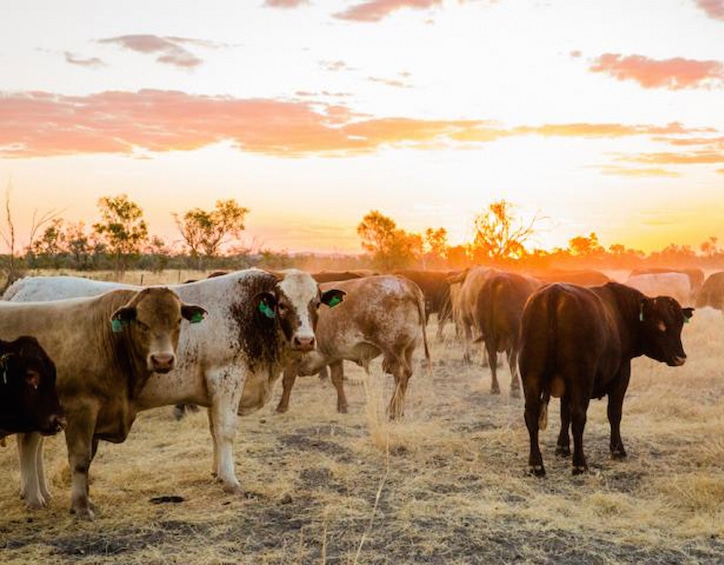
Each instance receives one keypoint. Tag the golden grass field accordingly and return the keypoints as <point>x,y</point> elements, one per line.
<point>446,484</point>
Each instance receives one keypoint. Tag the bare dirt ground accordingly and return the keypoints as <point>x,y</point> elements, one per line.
<point>446,484</point>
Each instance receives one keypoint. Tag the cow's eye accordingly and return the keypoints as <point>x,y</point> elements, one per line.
<point>143,327</point>
<point>32,378</point>
<point>282,308</point>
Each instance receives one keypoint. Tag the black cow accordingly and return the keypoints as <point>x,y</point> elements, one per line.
<point>577,343</point>
<point>28,399</point>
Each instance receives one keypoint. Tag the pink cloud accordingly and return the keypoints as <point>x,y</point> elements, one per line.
<point>169,49</point>
<point>672,74</point>
<point>376,10</point>
<point>42,124</point>
<point>714,8</point>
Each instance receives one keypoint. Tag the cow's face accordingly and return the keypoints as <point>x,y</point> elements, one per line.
<point>27,389</point>
<point>153,320</point>
<point>294,302</point>
<point>661,320</point>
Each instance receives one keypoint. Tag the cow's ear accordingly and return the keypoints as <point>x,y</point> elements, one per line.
<point>688,314</point>
<point>333,297</point>
<point>266,303</point>
<point>122,317</point>
<point>193,313</point>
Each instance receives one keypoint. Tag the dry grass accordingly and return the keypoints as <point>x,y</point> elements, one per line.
<point>446,484</point>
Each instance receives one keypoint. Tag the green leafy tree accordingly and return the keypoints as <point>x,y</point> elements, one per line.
<point>51,246</point>
<point>122,228</point>
<point>204,232</point>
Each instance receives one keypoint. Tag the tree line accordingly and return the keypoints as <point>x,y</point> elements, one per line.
<point>120,240</point>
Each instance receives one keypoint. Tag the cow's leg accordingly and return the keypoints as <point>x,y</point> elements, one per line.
<point>402,372</point>
<point>578,406</point>
<point>533,407</point>
<point>290,376</point>
<point>491,348</point>
<point>563,446</point>
<point>79,440</point>
<point>615,410</point>
<point>29,453</point>
<point>467,339</point>
<point>337,373</point>
<point>514,378</point>
<point>225,396</point>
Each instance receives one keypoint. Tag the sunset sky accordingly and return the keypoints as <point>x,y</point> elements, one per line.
<point>595,116</point>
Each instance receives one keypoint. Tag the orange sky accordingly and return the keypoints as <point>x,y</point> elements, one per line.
<point>600,117</point>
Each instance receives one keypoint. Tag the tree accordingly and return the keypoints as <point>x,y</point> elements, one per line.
<point>499,235</point>
<point>436,246</point>
<point>390,246</point>
<point>204,232</point>
<point>122,229</point>
<point>585,246</point>
<point>51,245</point>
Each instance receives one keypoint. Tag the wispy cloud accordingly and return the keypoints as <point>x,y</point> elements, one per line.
<point>38,124</point>
<point>637,172</point>
<point>93,62</point>
<point>671,74</point>
<point>168,50</point>
<point>376,10</point>
<point>285,3</point>
<point>714,8</point>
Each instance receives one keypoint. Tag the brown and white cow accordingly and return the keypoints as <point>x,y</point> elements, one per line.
<point>258,322</point>
<point>28,398</point>
<point>577,343</point>
<point>498,313</point>
<point>105,349</point>
<point>381,315</point>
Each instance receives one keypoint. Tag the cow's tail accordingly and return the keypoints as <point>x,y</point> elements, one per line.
<point>550,361</point>
<point>420,300</point>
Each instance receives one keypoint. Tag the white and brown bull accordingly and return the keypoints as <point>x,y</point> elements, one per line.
<point>258,323</point>
<point>382,315</point>
<point>105,349</point>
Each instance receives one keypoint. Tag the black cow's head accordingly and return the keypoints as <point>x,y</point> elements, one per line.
<point>662,319</point>
<point>28,398</point>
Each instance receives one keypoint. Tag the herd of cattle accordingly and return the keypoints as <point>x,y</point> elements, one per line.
<point>85,356</point>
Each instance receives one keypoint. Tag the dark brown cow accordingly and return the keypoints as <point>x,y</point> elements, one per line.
<point>105,348</point>
<point>577,343</point>
<point>499,310</point>
<point>583,277</point>
<point>28,399</point>
<point>712,292</point>
<point>436,289</point>
<point>381,315</point>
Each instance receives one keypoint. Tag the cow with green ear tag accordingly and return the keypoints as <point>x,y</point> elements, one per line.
<point>257,323</point>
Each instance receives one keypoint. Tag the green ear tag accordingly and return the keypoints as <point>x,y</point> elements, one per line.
<point>196,317</point>
<point>687,320</point>
<point>334,301</point>
<point>116,326</point>
<point>268,312</point>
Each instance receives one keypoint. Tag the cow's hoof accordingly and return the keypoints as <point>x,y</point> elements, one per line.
<point>515,393</point>
<point>618,454</point>
<point>234,489</point>
<point>342,409</point>
<point>36,504</point>
<point>281,409</point>
<point>537,470</point>
<point>563,451</point>
<point>495,390</point>
<point>83,513</point>
<point>579,470</point>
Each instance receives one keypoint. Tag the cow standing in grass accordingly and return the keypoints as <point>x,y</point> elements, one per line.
<point>105,349</point>
<point>258,323</point>
<point>577,343</point>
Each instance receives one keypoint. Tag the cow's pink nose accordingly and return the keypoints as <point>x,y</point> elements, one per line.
<point>162,361</point>
<point>304,343</point>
